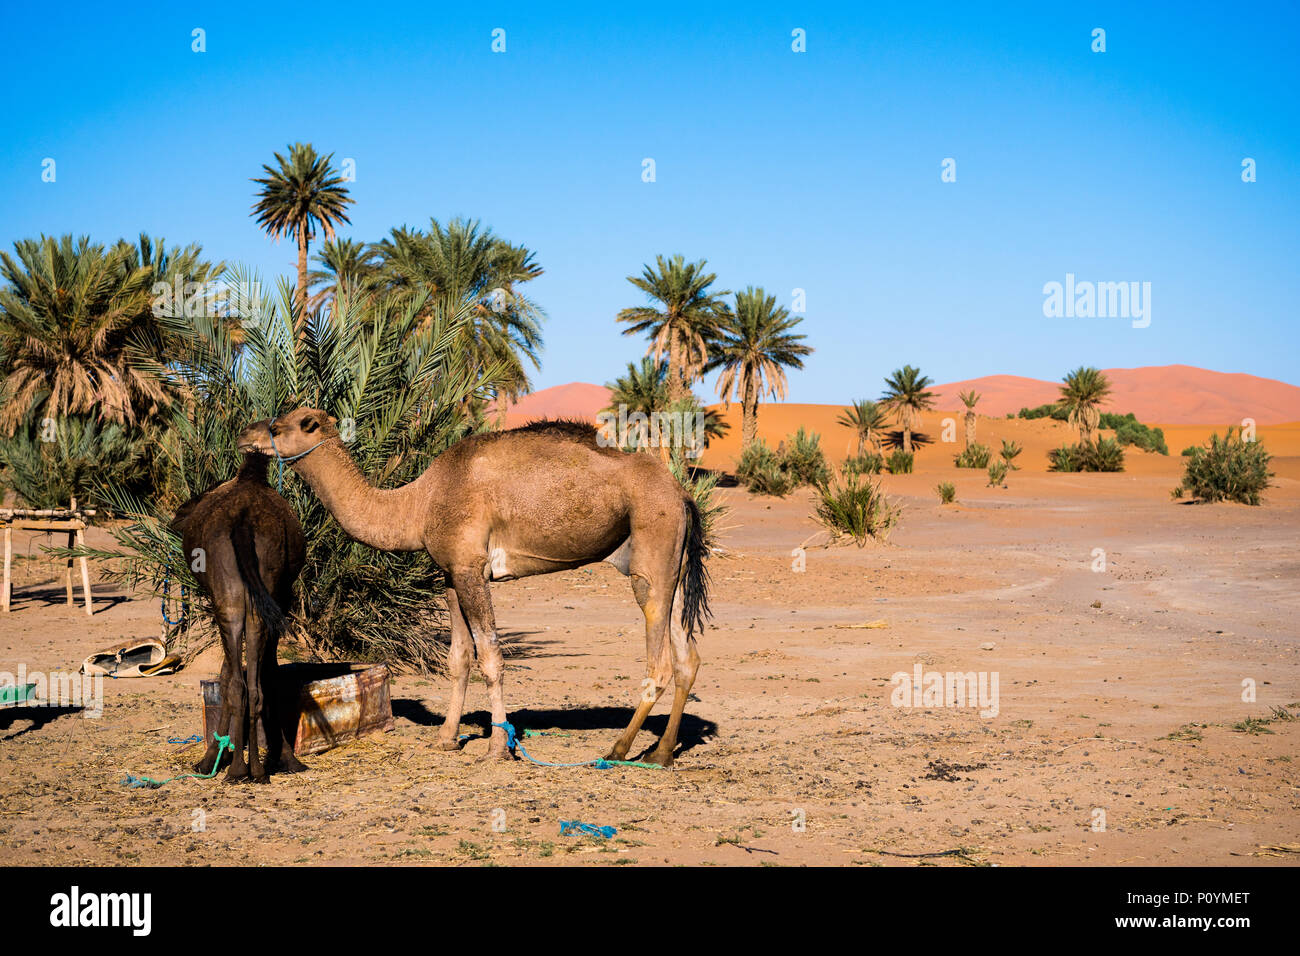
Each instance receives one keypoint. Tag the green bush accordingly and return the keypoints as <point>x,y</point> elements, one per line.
<point>1129,431</point>
<point>760,471</point>
<point>973,455</point>
<point>900,462</point>
<point>867,463</point>
<point>70,460</point>
<point>1051,410</point>
<point>855,508</point>
<point>947,492</point>
<point>397,373</point>
<point>804,460</point>
<point>1102,455</point>
<point>998,473</point>
<point>1009,452</point>
<point>1188,450</point>
<point>1227,469</point>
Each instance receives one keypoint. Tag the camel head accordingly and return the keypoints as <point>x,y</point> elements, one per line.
<point>296,433</point>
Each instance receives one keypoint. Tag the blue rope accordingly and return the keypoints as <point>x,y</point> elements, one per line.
<point>280,459</point>
<point>512,742</point>
<point>167,590</point>
<point>569,826</point>
<point>194,739</point>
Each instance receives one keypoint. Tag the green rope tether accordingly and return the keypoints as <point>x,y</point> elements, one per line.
<point>151,784</point>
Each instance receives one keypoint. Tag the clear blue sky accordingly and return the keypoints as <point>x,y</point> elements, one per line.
<point>818,170</point>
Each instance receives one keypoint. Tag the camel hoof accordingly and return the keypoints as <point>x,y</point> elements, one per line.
<point>260,778</point>
<point>491,755</point>
<point>204,767</point>
<point>237,777</point>
<point>449,745</point>
<point>291,764</point>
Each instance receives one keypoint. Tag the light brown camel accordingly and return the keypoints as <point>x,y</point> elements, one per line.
<point>510,504</point>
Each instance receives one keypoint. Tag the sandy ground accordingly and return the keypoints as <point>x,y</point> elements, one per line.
<point>1118,692</point>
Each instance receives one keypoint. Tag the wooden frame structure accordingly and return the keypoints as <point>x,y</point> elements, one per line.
<point>71,519</point>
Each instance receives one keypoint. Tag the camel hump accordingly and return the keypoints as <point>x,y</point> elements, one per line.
<point>572,428</point>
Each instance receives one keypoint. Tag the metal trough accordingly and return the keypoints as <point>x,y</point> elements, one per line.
<point>335,703</point>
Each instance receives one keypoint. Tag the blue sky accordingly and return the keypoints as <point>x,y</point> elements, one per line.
<point>816,170</point>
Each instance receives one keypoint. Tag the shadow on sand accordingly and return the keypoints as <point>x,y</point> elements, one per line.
<point>694,730</point>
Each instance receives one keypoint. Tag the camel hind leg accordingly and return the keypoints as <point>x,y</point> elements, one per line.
<point>653,564</point>
<point>686,663</point>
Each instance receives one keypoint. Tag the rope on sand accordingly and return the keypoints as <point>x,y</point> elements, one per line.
<point>512,741</point>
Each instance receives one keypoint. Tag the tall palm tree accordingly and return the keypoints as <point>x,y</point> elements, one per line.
<point>868,419</point>
<point>681,330</point>
<point>969,399</point>
<point>1084,390</point>
<point>348,268</point>
<point>754,345</point>
<point>464,263</point>
<point>906,395</point>
<point>304,193</point>
<point>74,316</point>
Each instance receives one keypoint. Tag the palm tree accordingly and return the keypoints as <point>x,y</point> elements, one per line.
<point>303,193</point>
<point>73,318</point>
<point>754,345</point>
<point>683,328</point>
<point>348,268</point>
<point>1084,390</point>
<point>906,395</point>
<point>464,263</point>
<point>969,399</point>
<point>868,419</point>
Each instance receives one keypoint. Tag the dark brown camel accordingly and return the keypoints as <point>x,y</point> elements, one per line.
<point>506,505</point>
<point>253,549</point>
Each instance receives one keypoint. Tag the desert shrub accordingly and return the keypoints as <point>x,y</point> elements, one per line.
<point>1009,452</point>
<point>900,462</point>
<point>760,470</point>
<point>702,486</point>
<point>947,492</point>
<point>1227,469</point>
<point>1188,450</point>
<point>997,473</point>
<point>856,508</point>
<point>1102,455</point>
<point>973,455</point>
<point>1051,410</point>
<point>1129,431</point>
<point>803,461</point>
<point>867,463</point>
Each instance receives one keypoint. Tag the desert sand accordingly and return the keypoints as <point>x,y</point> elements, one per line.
<point>1118,736</point>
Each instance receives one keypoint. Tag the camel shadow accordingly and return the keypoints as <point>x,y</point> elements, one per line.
<point>694,730</point>
<point>39,717</point>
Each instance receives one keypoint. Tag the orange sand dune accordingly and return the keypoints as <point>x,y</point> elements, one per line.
<point>1167,393</point>
<point>1140,391</point>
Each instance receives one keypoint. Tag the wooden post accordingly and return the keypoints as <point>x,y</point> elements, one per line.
<point>9,551</point>
<point>85,574</point>
<point>68,576</point>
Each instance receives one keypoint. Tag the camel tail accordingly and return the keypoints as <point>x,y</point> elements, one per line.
<point>695,583</point>
<point>241,536</point>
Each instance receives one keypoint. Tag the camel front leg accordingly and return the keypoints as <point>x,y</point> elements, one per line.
<point>461,657</point>
<point>476,604</point>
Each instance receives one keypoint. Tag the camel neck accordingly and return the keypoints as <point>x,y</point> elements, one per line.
<point>390,519</point>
